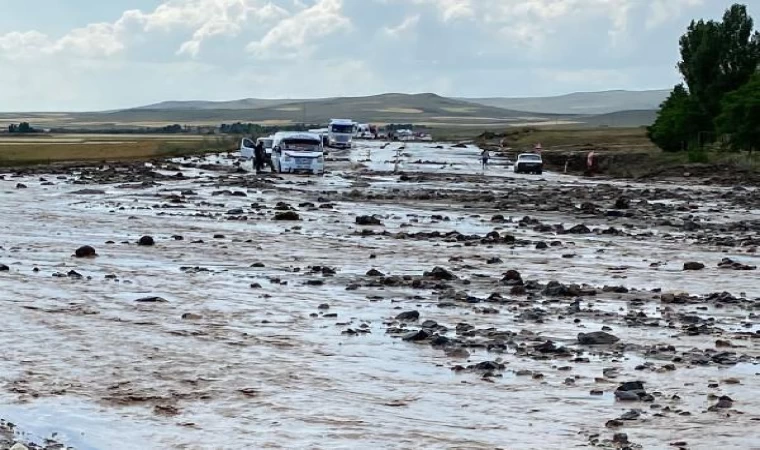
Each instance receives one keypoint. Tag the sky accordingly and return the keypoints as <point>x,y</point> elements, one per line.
<point>87,55</point>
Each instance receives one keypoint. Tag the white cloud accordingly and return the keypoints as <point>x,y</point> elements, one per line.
<point>406,25</point>
<point>294,36</point>
<point>452,9</point>
<point>661,11</point>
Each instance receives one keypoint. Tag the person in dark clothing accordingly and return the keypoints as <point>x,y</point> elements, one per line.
<point>259,156</point>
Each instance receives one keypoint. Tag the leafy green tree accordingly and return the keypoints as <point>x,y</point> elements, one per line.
<point>679,121</point>
<point>719,57</point>
<point>740,116</point>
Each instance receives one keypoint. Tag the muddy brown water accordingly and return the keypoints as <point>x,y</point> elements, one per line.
<point>265,367</point>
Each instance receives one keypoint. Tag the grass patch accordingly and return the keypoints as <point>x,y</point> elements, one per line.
<point>16,151</point>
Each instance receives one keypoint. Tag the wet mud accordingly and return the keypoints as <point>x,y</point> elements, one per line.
<point>406,299</point>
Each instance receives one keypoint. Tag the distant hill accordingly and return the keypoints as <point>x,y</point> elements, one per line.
<point>399,108</point>
<point>246,103</point>
<point>580,102</point>
<point>621,119</point>
<point>620,109</point>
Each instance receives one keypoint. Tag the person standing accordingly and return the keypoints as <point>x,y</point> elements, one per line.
<point>485,155</point>
<point>259,155</point>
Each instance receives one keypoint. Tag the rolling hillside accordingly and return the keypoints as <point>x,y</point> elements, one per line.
<point>581,102</point>
<point>399,108</point>
<point>427,109</point>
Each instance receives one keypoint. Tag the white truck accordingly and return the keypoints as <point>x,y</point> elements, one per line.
<point>298,152</point>
<point>340,133</point>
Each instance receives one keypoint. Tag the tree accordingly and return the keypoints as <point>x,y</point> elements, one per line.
<point>679,121</point>
<point>719,57</point>
<point>740,116</point>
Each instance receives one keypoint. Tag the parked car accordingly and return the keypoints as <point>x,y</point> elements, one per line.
<point>529,163</point>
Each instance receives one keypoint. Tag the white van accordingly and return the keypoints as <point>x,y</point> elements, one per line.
<point>298,152</point>
<point>340,133</point>
<point>248,147</point>
<point>363,131</point>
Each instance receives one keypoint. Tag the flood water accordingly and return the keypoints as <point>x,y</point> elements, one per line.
<point>260,365</point>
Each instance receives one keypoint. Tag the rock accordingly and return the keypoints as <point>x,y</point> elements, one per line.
<point>236,212</point>
<point>541,245</point>
<point>631,415</point>
<point>579,229</point>
<point>368,220</point>
<point>632,391</point>
<point>693,266</point>
<point>724,402</point>
<point>20,186</point>
<point>191,316</point>
<point>728,263</point>
<point>597,338</point>
<point>287,215</point>
<point>622,203</point>
<point>375,273</point>
<point>416,336</point>
<point>4,268</point>
<point>85,251</point>
<point>408,316</point>
<point>151,300</point>
<point>555,289</point>
<point>19,446</point>
<point>89,192</point>
<point>626,396</point>
<point>620,438</point>
<point>512,277</point>
<point>146,241</point>
<point>439,273</point>
<point>429,324</point>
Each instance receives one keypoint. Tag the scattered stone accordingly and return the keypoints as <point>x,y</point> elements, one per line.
<point>693,266</point>
<point>408,316</point>
<point>375,273</point>
<point>151,300</point>
<point>728,263</point>
<point>597,338</point>
<point>416,336</point>
<point>287,216</point>
<point>89,192</point>
<point>146,241</point>
<point>368,221</point>
<point>85,251</point>
<point>191,316</point>
<point>4,268</point>
<point>439,273</point>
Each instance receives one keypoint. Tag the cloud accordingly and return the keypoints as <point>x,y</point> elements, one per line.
<point>293,37</point>
<point>662,11</point>
<point>406,25</point>
<point>216,49</point>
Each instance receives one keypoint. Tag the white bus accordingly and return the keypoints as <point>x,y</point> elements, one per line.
<point>298,152</point>
<point>340,133</point>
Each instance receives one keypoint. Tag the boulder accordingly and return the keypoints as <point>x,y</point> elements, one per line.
<point>597,338</point>
<point>368,220</point>
<point>146,241</point>
<point>287,215</point>
<point>85,251</point>
<point>693,266</point>
<point>408,316</point>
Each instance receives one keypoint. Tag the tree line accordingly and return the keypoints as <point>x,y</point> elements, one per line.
<point>719,98</point>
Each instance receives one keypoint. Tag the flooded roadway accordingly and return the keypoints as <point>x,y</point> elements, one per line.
<point>253,349</point>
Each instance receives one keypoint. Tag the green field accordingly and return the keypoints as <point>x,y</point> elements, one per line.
<point>48,148</point>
